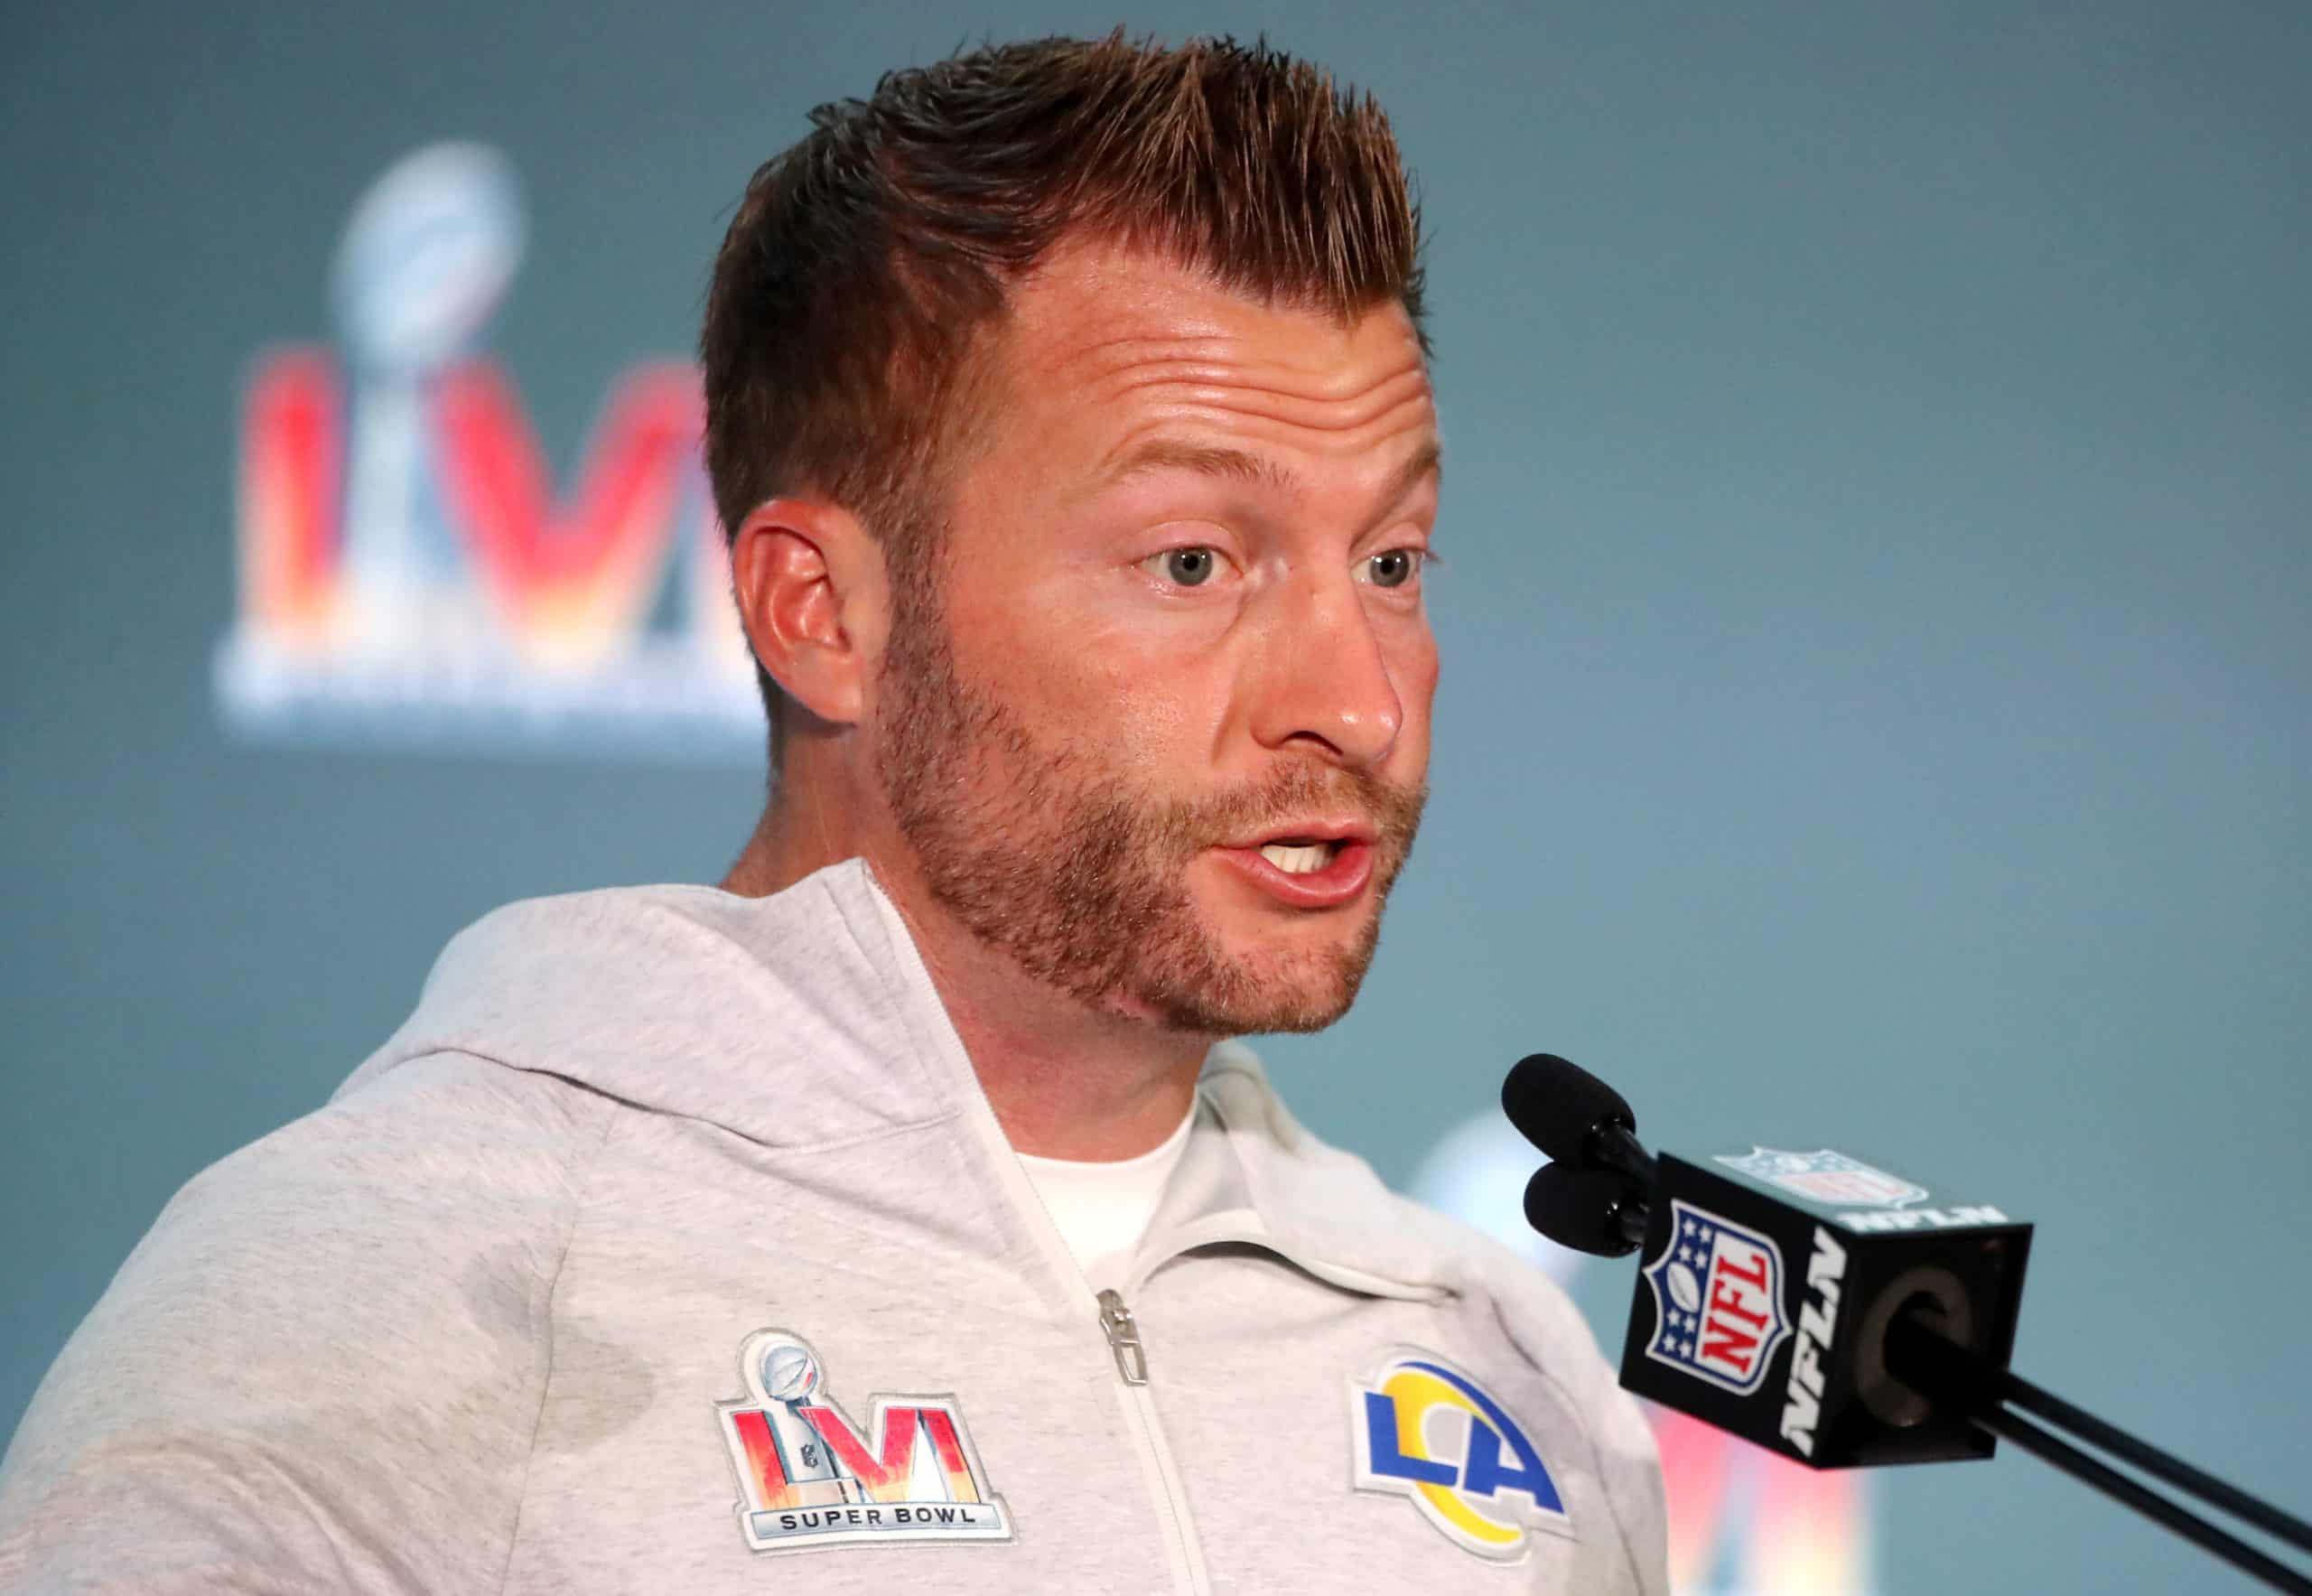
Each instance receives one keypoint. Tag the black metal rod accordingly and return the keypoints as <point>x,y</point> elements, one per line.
<point>2160,1465</point>
<point>1629,1221</point>
<point>1926,1359</point>
<point>2048,1448</point>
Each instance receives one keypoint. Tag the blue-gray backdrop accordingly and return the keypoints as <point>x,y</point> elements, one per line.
<point>1876,622</point>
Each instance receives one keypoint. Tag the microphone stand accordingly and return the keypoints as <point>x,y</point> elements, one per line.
<point>1921,1356</point>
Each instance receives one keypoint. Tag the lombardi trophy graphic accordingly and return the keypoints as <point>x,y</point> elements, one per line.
<point>789,1376</point>
<point>410,577</point>
<point>426,261</point>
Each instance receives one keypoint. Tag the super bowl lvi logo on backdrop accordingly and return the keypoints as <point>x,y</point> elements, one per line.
<point>408,575</point>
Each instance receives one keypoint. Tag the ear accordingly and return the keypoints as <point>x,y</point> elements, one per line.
<point>812,595</point>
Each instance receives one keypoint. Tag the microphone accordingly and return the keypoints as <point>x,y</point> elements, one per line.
<point>1828,1309</point>
<point>1590,1210</point>
<point>1770,1279</point>
<point>1574,1117</point>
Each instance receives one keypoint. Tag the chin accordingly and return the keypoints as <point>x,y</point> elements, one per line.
<point>1260,988</point>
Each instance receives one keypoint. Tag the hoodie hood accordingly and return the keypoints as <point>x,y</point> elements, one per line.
<point>576,986</point>
<point>807,1019</point>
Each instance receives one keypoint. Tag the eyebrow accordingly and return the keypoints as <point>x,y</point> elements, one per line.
<point>1243,466</point>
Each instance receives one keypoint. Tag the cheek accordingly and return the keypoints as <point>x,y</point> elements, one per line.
<point>1414,666</point>
<point>1130,699</point>
<point>1153,703</point>
<point>1424,687</point>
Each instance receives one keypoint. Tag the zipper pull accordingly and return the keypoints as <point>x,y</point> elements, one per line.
<point>1124,1339</point>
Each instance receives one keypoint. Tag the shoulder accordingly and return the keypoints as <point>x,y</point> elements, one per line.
<point>345,1321</point>
<point>449,1170</point>
<point>444,1153</point>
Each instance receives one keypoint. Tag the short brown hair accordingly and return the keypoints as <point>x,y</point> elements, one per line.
<point>865,260</point>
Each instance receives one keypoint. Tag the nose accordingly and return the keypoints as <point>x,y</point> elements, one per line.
<point>1325,685</point>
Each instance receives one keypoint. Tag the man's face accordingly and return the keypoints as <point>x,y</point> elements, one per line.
<point>1157,725</point>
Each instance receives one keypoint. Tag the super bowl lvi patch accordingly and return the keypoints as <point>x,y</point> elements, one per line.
<point>1427,1431</point>
<point>809,1476</point>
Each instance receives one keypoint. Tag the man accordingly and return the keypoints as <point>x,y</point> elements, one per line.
<point>895,1214</point>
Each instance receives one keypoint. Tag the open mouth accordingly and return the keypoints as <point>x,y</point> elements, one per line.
<point>1302,855</point>
<point>1321,863</point>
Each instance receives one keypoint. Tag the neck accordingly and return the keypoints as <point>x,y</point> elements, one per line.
<point>1066,1079</point>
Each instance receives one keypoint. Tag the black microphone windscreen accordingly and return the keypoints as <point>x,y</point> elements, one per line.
<point>1579,1208</point>
<point>1555,1104</point>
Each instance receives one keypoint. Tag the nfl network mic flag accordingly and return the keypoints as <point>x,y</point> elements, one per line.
<point>1768,1283</point>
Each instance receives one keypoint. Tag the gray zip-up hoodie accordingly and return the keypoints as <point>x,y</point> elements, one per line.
<point>672,1247</point>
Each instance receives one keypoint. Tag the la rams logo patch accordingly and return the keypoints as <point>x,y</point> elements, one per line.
<point>809,1476</point>
<point>1426,1430</point>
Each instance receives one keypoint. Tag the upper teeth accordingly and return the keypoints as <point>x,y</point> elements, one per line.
<point>1297,861</point>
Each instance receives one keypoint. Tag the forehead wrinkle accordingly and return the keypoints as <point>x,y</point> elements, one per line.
<point>1216,357</point>
<point>1195,392</point>
<point>1334,383</point>
<point>1097,304</point>
<point>1185,389</point>
<point>1271,423</point>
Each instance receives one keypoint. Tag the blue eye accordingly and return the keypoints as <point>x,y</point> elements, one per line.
<point>1394,567</point>
<point>1189,567</point>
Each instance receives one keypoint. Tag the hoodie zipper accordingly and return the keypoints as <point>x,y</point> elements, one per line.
<point>1129,1354</point>
<point>1140,1409</point>
<point>1123,1336</point>
<point>1123,1340</point>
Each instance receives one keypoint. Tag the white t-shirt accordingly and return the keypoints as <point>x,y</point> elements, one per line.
<point>1103,1208</point>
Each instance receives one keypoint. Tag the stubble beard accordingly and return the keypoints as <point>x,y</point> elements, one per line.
<point>1041,850</point>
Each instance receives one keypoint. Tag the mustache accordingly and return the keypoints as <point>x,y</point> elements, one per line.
<point>1294,792</point>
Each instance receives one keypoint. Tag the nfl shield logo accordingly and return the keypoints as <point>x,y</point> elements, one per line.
<point>1824,1176</point>
<point>1718,1310</point>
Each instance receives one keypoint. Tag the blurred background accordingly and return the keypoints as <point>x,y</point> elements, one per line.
<point>1878,623</point>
